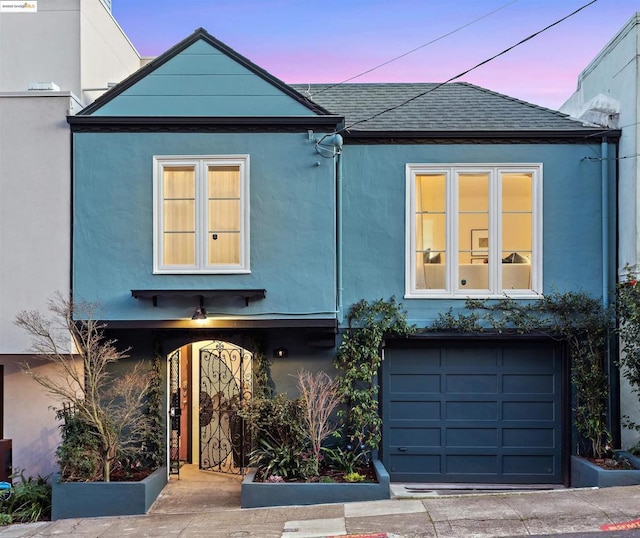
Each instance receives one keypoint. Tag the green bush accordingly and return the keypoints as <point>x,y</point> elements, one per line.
<point>346,459</point>
<point>278,436</point>
<point>78,454</point>
<point>30,501</point>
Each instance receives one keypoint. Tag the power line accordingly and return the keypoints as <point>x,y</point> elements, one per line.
<point>439,85</point>
<point>415,49</point>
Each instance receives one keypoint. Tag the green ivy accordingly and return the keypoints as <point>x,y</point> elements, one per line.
<point>572,317</point>
<point>628,311</point>
<point>154,442</point>
<point>358,360</point>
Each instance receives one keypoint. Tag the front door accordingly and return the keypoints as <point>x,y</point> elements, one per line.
<point>225,382</point>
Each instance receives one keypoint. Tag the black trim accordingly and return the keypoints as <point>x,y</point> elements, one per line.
<point>203,123</point>
<point>214,323</point>
<point>247,295</point>
<point>475,137</point>
<point>201,34</point>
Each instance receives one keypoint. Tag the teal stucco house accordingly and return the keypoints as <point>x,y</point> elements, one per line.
<point>220,214</point>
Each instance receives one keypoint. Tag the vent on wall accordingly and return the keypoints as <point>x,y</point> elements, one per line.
<point>44,86</point>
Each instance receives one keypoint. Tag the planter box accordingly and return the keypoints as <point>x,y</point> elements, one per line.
<point>585,474</point>
<point>95,499</point>
<point>259,494</point>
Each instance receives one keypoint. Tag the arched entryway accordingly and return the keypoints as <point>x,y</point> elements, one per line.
<point>208,381</point>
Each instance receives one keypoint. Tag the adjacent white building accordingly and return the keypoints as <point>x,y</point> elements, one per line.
<point>54,60</point>
<point>608,94</point>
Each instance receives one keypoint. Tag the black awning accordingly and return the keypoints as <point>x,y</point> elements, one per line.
<point>247,295</point>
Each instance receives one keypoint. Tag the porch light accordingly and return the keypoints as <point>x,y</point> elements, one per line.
<point>200,313</point>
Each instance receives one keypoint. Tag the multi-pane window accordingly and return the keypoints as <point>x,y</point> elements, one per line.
<point>201,214</point>
<point>474,230</point>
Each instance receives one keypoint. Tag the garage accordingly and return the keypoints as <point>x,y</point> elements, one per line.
<point>473,411</point>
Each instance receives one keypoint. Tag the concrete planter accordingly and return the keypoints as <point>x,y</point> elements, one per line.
<point>585,474</point>
<point>259,494</point>
<point>96,499</point>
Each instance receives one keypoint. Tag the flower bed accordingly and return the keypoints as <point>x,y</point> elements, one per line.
<point>585,473</point>
<point>261,494</point>
<point>96,499</point>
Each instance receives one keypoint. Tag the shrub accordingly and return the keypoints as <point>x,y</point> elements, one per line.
<point>30,501</point>
<point>279,438</point>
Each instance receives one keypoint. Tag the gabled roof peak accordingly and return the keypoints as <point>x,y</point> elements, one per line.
<point>200,34</point>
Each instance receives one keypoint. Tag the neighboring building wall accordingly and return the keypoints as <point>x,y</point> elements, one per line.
<point>614,74</point>
<point>77,45</point>
<point>35,220</point>
<point>35,208</point>
<point>614,77</point>
<point>107,55</point>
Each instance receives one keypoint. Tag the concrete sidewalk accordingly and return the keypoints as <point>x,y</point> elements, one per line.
<point>466,515</point>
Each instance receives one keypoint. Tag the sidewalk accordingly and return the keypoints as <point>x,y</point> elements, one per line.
<point>442,516</point>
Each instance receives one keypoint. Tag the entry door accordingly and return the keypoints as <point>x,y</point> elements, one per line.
<point>225,382</point>
<point>473,412</point>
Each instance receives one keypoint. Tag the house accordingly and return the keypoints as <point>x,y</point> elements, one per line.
<point>607,94</point>
<point>56,56</point>
<point>223,218</point>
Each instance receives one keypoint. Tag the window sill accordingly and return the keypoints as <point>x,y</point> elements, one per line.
<point>524,294</point>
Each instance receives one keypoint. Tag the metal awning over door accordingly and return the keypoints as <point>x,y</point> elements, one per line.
<point>473,412</point>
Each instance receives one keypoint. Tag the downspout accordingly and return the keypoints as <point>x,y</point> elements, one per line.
<point>339,239</point>
<point>330,147</point>
<point>604,174</point>
<point>613,404</point>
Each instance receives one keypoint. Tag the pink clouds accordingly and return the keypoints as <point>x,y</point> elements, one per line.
<point>333,41</point>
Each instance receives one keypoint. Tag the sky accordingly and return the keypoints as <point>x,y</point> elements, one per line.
<point>306,41</point>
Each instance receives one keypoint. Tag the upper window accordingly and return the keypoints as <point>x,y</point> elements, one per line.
<point>201,214</point>
<point>474,230</point>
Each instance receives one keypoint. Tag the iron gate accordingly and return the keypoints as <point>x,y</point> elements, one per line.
<point>174,412</point>
<point>225,382</point>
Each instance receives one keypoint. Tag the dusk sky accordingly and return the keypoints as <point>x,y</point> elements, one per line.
<point>302,41</point>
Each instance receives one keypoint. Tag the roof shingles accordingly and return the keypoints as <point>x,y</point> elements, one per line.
<point>453,107</point>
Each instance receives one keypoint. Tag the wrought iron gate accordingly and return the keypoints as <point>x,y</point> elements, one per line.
<point>225,382</point>
<point>174,412</point>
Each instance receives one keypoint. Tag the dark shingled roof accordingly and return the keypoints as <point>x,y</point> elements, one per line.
<point>452,107</point>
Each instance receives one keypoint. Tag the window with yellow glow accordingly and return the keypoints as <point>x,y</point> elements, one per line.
<point>201,219</point>
<point>475,230</point>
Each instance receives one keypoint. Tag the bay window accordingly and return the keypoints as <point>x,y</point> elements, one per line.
<point>201,217</point>
<point>474,230</point>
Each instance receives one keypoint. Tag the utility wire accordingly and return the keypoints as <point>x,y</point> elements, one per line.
<point>439,85</point>
<point>414,50</point>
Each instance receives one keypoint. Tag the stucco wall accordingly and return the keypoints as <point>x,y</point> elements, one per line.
<point>374,216</point>
<point>614,73</point>
<point>35,204</point>
<point>291,212</point>
<point>42,46</point>
<point>107,55</point>
<point>28,418</point>
<point>76,44</point>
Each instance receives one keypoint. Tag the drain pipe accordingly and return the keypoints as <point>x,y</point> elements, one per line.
<point>330,146</point>
<point>613,409</point>
<point>339,239</point>
<point>604,174</point>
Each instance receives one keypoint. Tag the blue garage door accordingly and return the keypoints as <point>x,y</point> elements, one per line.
<point>473,412</point>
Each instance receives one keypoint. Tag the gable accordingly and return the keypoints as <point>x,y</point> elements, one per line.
<point>202,77</point>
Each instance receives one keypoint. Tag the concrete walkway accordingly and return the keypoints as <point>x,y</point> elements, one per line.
<point>211,509</point>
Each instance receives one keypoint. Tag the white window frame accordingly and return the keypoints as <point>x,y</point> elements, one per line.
<point>201,164</point>
<point>451,172</point>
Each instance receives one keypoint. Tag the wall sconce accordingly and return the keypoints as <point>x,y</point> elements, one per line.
<point>280,353</point>
<point>201,311</point>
